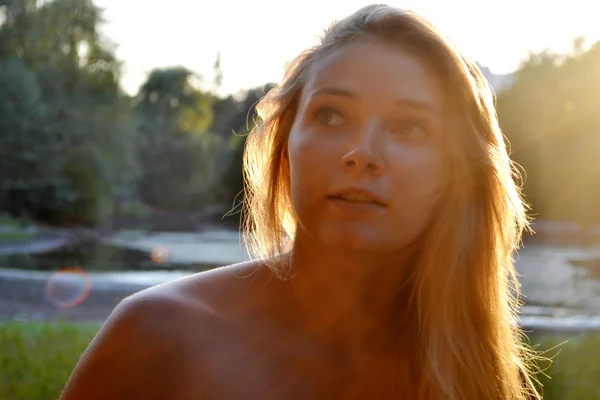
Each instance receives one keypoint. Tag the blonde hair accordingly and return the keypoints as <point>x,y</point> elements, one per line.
<point>465,286</point>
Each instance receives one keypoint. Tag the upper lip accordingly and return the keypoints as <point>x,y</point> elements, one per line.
<point>365,192</point>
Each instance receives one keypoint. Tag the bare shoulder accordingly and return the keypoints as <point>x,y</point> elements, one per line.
<point>151,338</point>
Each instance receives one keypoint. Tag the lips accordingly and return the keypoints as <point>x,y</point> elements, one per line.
<point>357,195</point>
<point>356,198</point>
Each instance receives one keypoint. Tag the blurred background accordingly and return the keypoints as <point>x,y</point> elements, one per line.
<point>122,125</point>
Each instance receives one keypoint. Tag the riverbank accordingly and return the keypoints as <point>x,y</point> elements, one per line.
<point>90,297</point>
<point>560,294</point>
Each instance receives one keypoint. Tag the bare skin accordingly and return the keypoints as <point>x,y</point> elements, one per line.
<point>370,118</point>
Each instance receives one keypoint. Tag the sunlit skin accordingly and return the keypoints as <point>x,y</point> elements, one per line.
<point>369,120</point>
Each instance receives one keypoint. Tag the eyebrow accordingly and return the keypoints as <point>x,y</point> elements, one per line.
<point>412,103</point>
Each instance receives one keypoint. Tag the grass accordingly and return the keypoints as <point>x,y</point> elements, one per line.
<point>36,360</point>
<point>13,231</point>
<point>574,372</point>
<point>15,236</point>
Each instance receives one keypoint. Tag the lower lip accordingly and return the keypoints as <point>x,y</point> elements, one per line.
<point>354,207</point>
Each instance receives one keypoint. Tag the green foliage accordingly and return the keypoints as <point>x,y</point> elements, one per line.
<point>179,157</point>
<point>171,101</point>
<point>182,175</point>
<point>234,119</point>
<point>21,111</point>
<point>67,133</point>
<point>75,149</point>
<point>237,114</point>
<point>37,359</point>
<point>550,115</point>
<point>235,177</point>
<point>133,209</point>
<point>10,223</point>
<point>12,230</point>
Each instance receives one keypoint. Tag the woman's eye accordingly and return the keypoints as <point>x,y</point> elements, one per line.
<point>328,116</point>
<point>412,130</point>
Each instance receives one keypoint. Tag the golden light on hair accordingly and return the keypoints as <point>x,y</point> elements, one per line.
<point>464,284</point>
<point>569,106</point>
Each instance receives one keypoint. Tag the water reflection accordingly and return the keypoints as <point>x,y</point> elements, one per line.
<point>94,256</point>
<point>560,285</point>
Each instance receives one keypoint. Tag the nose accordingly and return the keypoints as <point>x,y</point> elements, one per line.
<point>363,155</point>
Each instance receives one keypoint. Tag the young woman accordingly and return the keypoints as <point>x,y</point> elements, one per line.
<point>383,214</point>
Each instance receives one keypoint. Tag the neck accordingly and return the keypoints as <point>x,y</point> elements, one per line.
<point>348,296</point>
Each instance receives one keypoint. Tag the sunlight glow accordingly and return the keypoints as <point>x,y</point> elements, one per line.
<point>257,38</point>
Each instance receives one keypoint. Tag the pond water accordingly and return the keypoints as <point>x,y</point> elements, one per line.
<point>94,256</point>
<point>561,285</point>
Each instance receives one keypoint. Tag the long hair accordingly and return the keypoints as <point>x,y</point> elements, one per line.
<point>465,288</point>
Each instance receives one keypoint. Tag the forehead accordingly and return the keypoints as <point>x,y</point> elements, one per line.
<point>376,70</point>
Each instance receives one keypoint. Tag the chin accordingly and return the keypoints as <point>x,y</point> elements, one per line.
<point>352,239</point>
<point>364,238</point>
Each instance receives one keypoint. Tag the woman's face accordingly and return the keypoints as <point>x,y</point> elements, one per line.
<point>364,151</point>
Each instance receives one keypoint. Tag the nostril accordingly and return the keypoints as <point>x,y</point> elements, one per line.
<point>351,163</point>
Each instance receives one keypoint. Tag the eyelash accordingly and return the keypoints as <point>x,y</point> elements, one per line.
<point>331,110</point>
<point>411,123</point>
<point>320,111</point>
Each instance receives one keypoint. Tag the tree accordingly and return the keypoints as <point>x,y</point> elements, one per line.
<point>218,74</point>
<point>177,153</point>
<point>551,118</point>
<point>73,158</point>
<point>234,120</point>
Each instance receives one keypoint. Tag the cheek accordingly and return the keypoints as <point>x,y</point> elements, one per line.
<point>418,182</point>
<point>306,164</point>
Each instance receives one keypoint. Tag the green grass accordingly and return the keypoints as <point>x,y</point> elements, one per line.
<point>15,236</point>
<point>36,360</point>
<point>13,231</point>
<point>574,372</point>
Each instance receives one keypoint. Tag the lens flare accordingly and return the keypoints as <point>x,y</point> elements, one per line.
<point>68,287</point>
<point>160,254</point>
